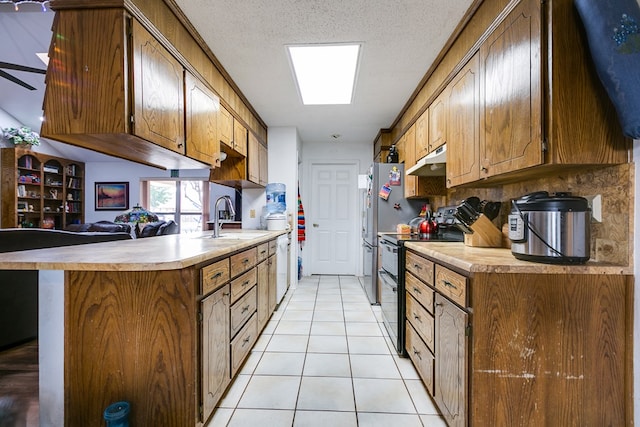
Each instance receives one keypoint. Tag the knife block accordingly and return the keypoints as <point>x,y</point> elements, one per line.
<point>485,234</point>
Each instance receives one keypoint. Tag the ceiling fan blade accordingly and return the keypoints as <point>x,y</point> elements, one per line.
<point>15,80</point>
<point>9,66</point>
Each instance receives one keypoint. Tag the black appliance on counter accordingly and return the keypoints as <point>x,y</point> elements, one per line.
<point>392,277</point>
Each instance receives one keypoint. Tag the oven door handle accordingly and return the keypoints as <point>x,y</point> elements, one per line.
<point>388,247</point>
<point>388,280</point>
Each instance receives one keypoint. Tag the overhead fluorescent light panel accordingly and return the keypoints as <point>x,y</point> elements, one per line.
<point>325,73</point>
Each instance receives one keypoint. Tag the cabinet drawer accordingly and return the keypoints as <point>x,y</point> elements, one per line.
<point>273,245</point>
<point>422,358</point>
<point>243,261</point>
<point>263,251</point>
<point>242,344</point>
<point>452,285</point>
<point>422,268</point>
<point>242,284</point>
<point>242,310</point>
<point>421,320</point>
<point>214,275</point>
<point>421,292</point>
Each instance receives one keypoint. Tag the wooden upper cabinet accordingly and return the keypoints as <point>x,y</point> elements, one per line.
<point>422,135</point>
<point>201,116</point>
<point>410,182</point>
<point>127,96</point>
<point>264,165</point>
<point>511,93</point>
<point>225,127</point>
<point>158,92</point>
<point>239,138</point>
<point>257,159</point>
<point>253,168</point>
<point>437,113</point>
<point>463,127</point>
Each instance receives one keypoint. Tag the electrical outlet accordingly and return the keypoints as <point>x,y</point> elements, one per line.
<point>252,213</point>
<point>595,203</point>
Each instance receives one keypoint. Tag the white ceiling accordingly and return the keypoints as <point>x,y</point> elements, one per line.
<point>400,41</point>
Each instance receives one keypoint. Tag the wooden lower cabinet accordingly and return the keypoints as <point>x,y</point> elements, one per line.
<point>215,348</point>
<point>451,362</point>
<point>522,349</point>
<point>263,294</point>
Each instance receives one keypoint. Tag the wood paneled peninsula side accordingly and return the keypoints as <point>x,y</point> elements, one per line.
<point>158,322</point>
<point>499,341</point>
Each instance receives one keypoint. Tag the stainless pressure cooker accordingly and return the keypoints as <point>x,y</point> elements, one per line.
<point>552,229</point>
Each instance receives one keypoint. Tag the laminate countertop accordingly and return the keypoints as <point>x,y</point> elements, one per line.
<point>170,252</point>
<point>501,260</point>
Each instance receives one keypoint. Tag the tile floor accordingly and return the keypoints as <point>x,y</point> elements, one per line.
<point>325,359</point>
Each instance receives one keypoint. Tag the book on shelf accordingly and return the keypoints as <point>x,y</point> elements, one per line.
<point>25,162</point>
<point>51,169</point>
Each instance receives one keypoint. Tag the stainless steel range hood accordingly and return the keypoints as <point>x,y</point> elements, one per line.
<point>433,164</point>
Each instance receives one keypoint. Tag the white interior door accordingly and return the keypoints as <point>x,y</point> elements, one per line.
<point>333,234</point>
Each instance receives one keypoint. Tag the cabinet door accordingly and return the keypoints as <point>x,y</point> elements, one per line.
<point>254,159</point>
<point>511,93</point>
<point>451,362</point>
<point>225,127</point>
<point>410,182</point>
<point>463,128</point>
<point>264,165</point>
<point>422,135</point>
<point>263,294</point>
<point>158,92</point>
<point>438,121</point>
<point>201,115</point>
<point>273,277</point>
<point>215,349</point>
<point>239,138</point>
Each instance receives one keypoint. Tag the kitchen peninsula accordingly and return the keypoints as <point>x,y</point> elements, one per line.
<point>499,341</point>
<point>163,323</point>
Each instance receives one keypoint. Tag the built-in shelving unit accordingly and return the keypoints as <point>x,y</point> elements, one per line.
<point>40,190</point>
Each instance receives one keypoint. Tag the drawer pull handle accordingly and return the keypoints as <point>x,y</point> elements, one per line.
<point>245,283</point>
<point>263,252</point>
<point>245,309</point>
<point>246,260</point>
<point>226,294</point>
<point>416,353</point>
<point>449,284</point>
<point>416,317</point>
<point>417,266</point>
<point>416,290</point>
<point>246,340</point>
<point>215,276</point>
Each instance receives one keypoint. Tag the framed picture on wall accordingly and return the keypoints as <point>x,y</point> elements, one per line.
<point>112,196</point>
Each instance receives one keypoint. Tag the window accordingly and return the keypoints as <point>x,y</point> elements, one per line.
<point>186,201</point>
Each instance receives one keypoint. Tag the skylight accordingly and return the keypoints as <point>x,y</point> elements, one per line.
<point>325,73</point>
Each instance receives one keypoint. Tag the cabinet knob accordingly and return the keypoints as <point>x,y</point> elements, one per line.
<point>484,169</point>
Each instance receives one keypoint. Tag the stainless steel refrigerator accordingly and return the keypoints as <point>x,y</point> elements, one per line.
<point>382,215</point>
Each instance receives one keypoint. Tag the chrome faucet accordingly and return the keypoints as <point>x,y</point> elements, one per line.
<point>216,219</point>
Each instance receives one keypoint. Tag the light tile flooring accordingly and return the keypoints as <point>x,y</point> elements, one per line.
<point>325,359</point>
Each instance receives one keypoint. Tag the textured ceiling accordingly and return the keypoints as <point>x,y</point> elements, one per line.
<point>400,41</point>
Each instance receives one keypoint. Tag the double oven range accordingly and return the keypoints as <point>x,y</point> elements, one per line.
<point>392,277</point>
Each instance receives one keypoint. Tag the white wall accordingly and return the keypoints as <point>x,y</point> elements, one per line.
<point>133,173</point>
<point>284,148</point>
<point>333,151</point>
